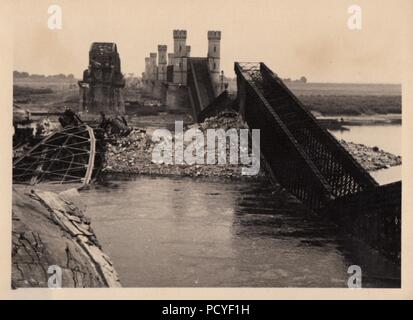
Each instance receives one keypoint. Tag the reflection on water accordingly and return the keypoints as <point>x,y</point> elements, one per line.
<point>389,175</point>
<point>164,232</point>
<point>386,137</point>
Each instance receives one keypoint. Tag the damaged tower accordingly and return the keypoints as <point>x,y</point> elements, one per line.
<point>101,87</point>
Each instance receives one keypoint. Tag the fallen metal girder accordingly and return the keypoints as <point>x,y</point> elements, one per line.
<point>69,158</point>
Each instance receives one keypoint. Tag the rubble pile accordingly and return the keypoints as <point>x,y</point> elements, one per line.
<point>133,153</point>
<point>225,120</point>
<point>371,158</point>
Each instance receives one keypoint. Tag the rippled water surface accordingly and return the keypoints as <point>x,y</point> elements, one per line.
<point>164,232</point>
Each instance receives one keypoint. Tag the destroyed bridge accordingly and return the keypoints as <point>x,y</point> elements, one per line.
<point>305,158</point>
<point>296,151</point>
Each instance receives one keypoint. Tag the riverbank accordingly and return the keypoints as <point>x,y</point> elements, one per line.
<point>342,122</point>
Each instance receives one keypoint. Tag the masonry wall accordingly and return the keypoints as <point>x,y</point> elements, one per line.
<point>102,98</point>
<point>177,98</point>
<point>160,91</point>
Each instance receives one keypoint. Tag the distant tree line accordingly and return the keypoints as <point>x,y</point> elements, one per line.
<point>26,75</point>
<point>301,80</point>
<point>132,81</point>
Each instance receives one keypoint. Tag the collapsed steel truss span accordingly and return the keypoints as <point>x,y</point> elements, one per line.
<point>305,158</point>
<point>67,156</point>
<point>200,90</point>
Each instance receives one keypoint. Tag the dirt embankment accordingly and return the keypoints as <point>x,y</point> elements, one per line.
<point>51,233</point>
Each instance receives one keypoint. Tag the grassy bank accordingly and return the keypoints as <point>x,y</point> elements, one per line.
<point>352,105</point>
<point>19,91</point>
<point>325,99</point>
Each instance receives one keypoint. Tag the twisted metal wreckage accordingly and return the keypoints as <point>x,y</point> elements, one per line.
<point>75,154</point>
<point>67,156</point>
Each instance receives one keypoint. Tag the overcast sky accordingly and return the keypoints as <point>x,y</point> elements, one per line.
<point>294,38</point>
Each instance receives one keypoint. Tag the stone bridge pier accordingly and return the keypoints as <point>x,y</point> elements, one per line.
<point>101,88</point>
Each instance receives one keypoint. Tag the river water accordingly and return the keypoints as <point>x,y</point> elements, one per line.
<point>187,232</point>
<point>386,137</point>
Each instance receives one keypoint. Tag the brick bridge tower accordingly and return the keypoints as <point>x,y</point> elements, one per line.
<point>153,66</point>
<point>162,62</point>
<point>214,51</point>
<point>147,68</point>
<point>170,59</point>
<point>179,67</point>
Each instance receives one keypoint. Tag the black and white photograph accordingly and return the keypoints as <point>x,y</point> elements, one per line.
<point>207,144</point>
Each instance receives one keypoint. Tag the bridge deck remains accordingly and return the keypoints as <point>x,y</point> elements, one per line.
<point>200,88</point>
<point>305,158</point>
